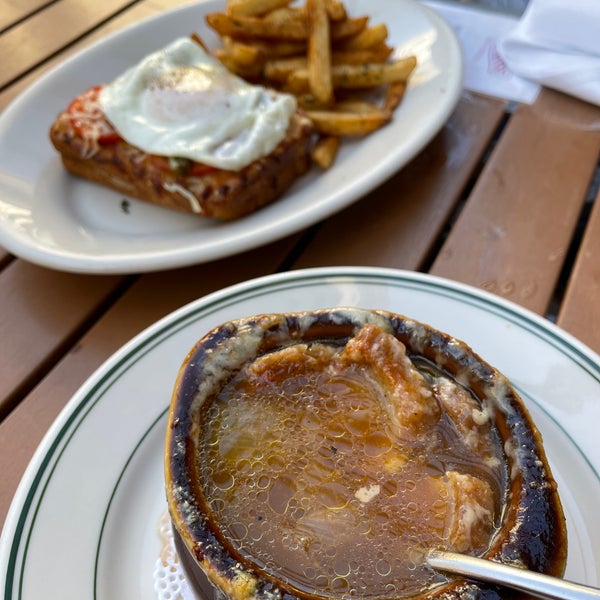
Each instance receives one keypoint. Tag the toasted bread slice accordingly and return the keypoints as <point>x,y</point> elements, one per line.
<point>90,148</point>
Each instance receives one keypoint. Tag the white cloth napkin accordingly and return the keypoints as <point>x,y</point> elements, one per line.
<point>557,44</point>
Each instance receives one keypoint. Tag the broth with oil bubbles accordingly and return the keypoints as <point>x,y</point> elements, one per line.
<point>316,470</point>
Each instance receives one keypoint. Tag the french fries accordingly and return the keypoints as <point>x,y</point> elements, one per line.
<point>281,69</point>
<point>325,150</point>
<point>279,48</point>
<point>254,8</point>
<point>243,54</point>
<point>348,123</point>
<point>356,76</point>
<point>290,27</point>
<point>366,38</point>
<point>319,52</point>
<point>394,95</point>
<point>377,54</point>
<point>332,62</point>
<point>336,10</point>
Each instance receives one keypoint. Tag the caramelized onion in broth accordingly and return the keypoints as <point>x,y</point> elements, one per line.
<point>333,467</point>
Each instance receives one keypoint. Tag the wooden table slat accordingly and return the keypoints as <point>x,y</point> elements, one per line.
<point>40,312</point>
<point>396,224</point>
<point>514,232</point>
<point>59,24</point>
<point>133,14</point>
<point>13,11</point>
<point>579,312</point>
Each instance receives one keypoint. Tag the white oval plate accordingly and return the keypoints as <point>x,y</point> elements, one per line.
<point>84,522</point>
<point>54,219</point>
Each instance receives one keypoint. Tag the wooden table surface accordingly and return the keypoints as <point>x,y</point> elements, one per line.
<point>504,200</point>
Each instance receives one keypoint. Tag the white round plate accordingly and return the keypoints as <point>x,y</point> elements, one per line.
<point>85,520</point>
<point>54,219</point>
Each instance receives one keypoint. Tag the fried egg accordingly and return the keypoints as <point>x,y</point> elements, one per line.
<point>182,102</point>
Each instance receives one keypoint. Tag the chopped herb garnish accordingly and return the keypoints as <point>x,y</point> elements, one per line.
<point>180,165</point>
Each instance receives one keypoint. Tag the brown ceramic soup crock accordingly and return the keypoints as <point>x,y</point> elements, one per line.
<point>321,454</point>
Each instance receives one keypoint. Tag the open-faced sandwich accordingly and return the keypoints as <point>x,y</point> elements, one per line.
<point>180,130</point>
<point>221,133</point>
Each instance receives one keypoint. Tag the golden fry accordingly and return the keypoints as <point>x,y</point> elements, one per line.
<point>336,10</point>
<point>319,51</point>
<point>325,150</point>
<point>324,57</point>
<point>367,38</point>
<point>253,8</point>
<point>348,27</point>
<point>394,95</point>
<point>309,102</point>
<point>251,72</point>
<point>274,49</point>
<point>355,106</point>
<point>279,69</point>
<point>358,76</point>
<point>344,123</point>
<point>377,54</point>
<point>248,27</point>
<point>287,17</point>
<point>241,53</point>
<point>297,82</point>
<point>374,74</point>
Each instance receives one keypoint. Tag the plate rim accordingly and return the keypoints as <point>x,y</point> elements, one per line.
<point>83,400</point>
<point>256,234</point>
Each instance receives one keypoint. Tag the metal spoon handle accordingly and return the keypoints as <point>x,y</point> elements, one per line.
<point>536,584</point>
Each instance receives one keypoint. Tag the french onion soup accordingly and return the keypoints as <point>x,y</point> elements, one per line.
<point>322,454</point>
